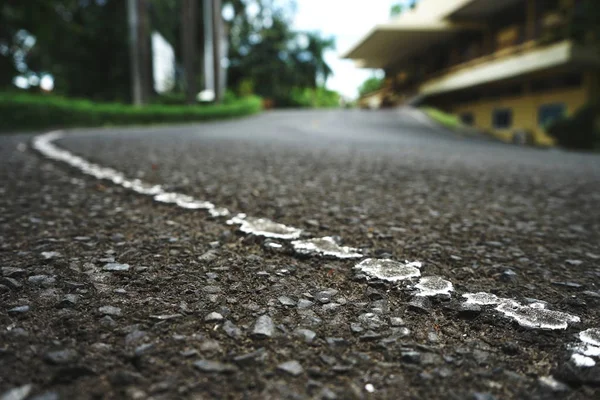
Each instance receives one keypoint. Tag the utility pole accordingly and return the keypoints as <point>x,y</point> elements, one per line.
<point>134,53</point>
<point>189,13</point>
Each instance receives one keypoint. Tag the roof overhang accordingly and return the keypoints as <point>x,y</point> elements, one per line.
<point>557,55</point>
<point>390,42</point>
<point>472,9</point>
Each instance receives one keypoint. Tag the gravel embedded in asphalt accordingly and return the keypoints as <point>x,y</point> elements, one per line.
<point>469,210</point>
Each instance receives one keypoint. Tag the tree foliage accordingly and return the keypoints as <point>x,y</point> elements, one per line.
<point>266,54</point>
<point>83,44</point>
<point>582,129</point>
<point>370,85</point>
<point>396,9</point>
<point>579,131</point>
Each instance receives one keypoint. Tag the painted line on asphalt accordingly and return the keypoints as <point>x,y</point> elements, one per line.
<point>532,316</point>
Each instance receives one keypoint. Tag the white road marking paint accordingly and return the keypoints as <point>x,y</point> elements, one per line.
<point>44,144</point>
<point>587,352</point>
<point>582,361</point>
<point>325,247</point>
<point>219,212</point>
<point>389,270</point>
<point>533,316</point>
<point>264,227</point>
<point>433,286</point>
<point>482,298</point>
<point>530,317</point>
<point>590,336</point>
<point>183,201</point>
<point>273,245</point>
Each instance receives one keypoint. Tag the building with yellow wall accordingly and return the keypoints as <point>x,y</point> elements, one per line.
<point>505,66</point>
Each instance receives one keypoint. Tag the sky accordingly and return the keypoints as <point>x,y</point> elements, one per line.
<point>348,21</point>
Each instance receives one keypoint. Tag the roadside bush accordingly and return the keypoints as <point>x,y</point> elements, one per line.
<point>178,99</point>
<point>20,111</point>
<point>449,121</point>
<point>246,87</point>
<point>313,98</point>
<point>229,97</point>
<point>169,99</point>
<point>580,131</point>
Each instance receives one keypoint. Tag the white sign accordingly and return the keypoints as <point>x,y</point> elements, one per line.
<point>163,64</point>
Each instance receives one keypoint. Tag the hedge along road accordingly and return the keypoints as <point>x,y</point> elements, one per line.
<point>189,301</point>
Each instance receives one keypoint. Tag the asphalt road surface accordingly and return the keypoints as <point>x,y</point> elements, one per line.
<point>108,293</point>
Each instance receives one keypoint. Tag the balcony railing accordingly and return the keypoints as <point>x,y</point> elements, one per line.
<point>497,55</point>
<point>549,29</point>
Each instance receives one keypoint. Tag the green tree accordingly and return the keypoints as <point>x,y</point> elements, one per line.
<point>82,43</point>
<point>73,44</point>
<point>165,17</point>
<point>17,21</point>
<point>266,54</point>
<point>582,129</point>
<point>584,28</point>
<point>317,47</point>
<point>396,9</point>
<point>370,85</point>
<point>88,59</point>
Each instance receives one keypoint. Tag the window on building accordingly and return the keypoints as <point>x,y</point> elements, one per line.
<point>467,118</point>
<point>502,118</point>
<point>548,113</point>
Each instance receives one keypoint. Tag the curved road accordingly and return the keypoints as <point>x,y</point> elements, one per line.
<point>519,223</point>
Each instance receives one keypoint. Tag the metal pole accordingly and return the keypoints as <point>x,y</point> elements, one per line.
<point>134,53</point>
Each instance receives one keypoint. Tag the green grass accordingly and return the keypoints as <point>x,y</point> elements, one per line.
<point>24,111</point>
<point>449,121</point>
